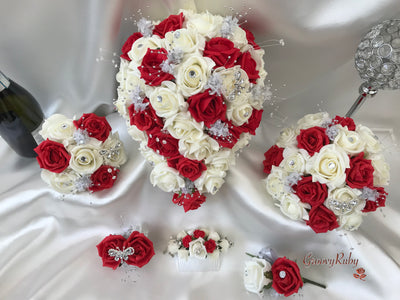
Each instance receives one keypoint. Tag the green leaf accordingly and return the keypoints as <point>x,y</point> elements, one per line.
<point>268,286</point>
<point>268,275</point>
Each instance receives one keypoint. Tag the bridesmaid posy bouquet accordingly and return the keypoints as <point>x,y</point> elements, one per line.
<point>79,155</point>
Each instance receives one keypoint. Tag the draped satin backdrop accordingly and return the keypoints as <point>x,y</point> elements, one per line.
<point>48,241</point>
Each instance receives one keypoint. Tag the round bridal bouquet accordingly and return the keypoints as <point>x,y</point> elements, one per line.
<point>328,172</point>
<point>191,89</point>
<point>80,155</point>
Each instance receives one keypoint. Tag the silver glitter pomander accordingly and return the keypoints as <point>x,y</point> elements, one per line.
<point>377,60</point>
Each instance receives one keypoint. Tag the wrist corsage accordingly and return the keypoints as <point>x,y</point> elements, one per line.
<point>79,155</point>
<point>191,89</point>
<point>267,271</point>
<point>327,172</point>
<point>198,250</point>
<point>116,250</point>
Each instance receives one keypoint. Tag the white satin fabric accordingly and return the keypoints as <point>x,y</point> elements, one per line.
<point>48,242</point>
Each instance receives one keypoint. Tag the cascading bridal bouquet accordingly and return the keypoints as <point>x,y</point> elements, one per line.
<point>328,172</point>
<point>191,89</point>
<point>267,270</point>
<point>79,155</point>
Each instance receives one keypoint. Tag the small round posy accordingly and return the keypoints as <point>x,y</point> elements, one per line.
<point>79,155</point>
<point>377,57</point>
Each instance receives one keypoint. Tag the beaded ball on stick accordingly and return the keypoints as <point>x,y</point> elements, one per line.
<point>377,60</point>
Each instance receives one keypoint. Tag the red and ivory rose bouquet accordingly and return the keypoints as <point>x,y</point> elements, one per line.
<point>267,271</point>
<point>135,250</point>
<point>191,89</point>
<point>198,250</point>
<point>328,172</point>
<point>79,155</point>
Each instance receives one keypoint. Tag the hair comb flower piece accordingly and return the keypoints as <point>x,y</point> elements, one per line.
<point>80,155</point>
<point>116,250</point>
<point>267,270</point>
<point>191,89</point>
<point>198,250</point>
<point>327,172</point>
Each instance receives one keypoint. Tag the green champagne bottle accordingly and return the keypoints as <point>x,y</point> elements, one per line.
<point>20,117</point>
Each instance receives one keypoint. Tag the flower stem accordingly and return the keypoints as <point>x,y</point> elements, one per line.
<point>305,280</point>
<point>251,255</point>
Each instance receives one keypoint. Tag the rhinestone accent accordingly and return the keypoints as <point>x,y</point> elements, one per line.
<point>192,74</point>
<point>121,254</point>
<point>282,274</point>
<point>342,208</point>
<point>331,165</point>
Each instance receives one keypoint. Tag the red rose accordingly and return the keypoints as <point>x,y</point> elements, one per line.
<point>189,168</point>
<point>249,65</point>
<point>286,278</point>
<point>273,157</point>
<point>349,122</point>
<point>97,127</point>
<point>128,45</point>
<point>360,174</point>
<point>172,23</point>
<point>115,242</point>
<point>172,161</point>
<point>222,51</point>
<point>145,120</point>
<point>321,219</point>
<point>199,234</point>
<point>236,131</point>
<point>189,201</point>
<point>52,156</point>
<point>207,108</point>
<point>163,144</point>
<point>250,39</point>
<point>142,247</point>
<point>225,141</point>
<point>103,178</point>
<point>210,246</point>
<point>150,69</point>
<point>379,202</point>
<point>186,240</point>
<point>253,122</point>
<point>312,139</point>
<point>311,192</point>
